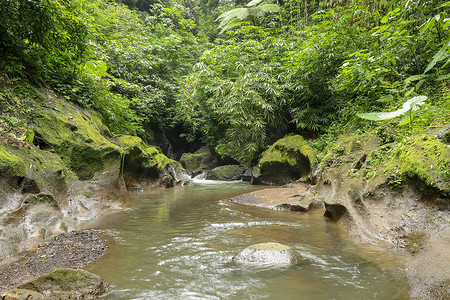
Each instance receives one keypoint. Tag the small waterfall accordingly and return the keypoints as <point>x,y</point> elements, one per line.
<point>201,176</point>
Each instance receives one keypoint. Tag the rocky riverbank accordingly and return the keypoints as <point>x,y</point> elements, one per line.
<point>386,193</point>
<point>73,250</point>
<point>427,245</point>
<point>60,166</point>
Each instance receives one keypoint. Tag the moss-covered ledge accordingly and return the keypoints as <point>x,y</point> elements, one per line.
<point>421,157</point>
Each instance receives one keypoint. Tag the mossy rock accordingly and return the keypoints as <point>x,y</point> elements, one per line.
<point>288,159</point>
<point>39,198</point>
<point>75,135</point>
<point>143,163</point>
<point>11,164</point>
<point>47,168</point>
<point>67,284</point>
<point>268,254</point>
<point>26,167</point>
<point>422,157</point>
<point>23,294</point>
<point>197,161</point>
<point>229,172</point>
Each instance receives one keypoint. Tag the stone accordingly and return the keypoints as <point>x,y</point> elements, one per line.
<point>22,294</point>
<point>200,160</point>
<point>229,172</point>
<point>61,284</point>
<point>268,254</point>
<point>287,160</point>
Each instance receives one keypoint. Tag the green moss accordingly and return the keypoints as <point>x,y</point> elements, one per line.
<point>47,167</point>
<point>29,136</point>
<point>423,157</point>
<point>156,158</point>
<point>130,141</point>
<point>39,198</point>
<point>270,246</point>
<point>75,135</point>
<point>11,164</point>
<point>350,150</point>
<point>64,280</point>
<point>227,172</point>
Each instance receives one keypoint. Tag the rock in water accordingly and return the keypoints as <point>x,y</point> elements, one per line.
<point>61,284</point>
<point>268,254</point>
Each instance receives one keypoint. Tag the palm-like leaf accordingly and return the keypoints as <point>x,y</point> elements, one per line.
<point>255,8</point>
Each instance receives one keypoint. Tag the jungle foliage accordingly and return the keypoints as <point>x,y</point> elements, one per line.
<point>235,75</point>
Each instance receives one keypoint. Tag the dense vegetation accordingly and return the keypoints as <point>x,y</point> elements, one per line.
<point>234,76</point>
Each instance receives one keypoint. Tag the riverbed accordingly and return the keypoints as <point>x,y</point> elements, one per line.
<point>178,243</point>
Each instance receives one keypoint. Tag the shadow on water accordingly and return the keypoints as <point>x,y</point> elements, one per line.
<point>178,244</point>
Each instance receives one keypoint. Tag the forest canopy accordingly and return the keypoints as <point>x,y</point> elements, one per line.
<point>234,76</point>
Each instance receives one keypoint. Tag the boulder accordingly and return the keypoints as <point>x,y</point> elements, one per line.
<point>287,160</point>
<point>61,284</point>
<point>144,165</point>
<point>200,160</point>
<point>229,172</point>
<point>268,254</point>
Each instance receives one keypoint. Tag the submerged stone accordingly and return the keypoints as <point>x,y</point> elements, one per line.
<point>268,254</point>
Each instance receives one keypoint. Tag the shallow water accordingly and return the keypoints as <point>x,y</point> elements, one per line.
<point>178,244</point>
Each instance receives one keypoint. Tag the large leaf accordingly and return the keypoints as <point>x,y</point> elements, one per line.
<point>412,104</point>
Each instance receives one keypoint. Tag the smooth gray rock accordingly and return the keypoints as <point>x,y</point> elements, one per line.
<point>269,254</point>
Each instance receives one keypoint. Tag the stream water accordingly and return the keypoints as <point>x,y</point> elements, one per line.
<point>178,244</point>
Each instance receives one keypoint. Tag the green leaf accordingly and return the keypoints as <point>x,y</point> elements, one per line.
<point>384,19</point>
<point>414,78</point>
<point>96,67</point>
<point>443,77</point>
<point>407,119</point>
<point>419,84</point>
<point>386,99</point>
<point>14,121</point>
<point>254,3</point>
<point>428,25</point>
<point>440,55</point>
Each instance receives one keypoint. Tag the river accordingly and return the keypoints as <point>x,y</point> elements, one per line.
<point>178,243</point>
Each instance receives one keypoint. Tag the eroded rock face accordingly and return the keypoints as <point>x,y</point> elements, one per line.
<point>61,284</point>
<point>387,192</point>
<point>268,254</point>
